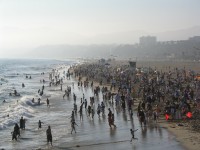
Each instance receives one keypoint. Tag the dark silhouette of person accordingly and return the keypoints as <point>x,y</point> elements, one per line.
<point>49,135</point>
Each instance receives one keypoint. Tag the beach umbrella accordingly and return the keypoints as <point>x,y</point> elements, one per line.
<point>189,115</point>
<point>166,116</point>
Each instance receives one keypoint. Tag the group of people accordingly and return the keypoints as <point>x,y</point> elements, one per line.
<point>171,92</point>
<point>22,122</point>
<point>16,132</point>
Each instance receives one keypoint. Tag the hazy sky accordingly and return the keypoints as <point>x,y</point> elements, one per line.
<point>30,23</point>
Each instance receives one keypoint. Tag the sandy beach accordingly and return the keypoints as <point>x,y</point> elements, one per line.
<point>189,138</point>
<point>95,133</point>
<point>99,75</point>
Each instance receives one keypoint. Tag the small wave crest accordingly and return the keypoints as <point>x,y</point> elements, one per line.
<point>3,80</point>
<point>12,113</point>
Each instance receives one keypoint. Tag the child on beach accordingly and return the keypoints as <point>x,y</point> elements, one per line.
<point>132,133</point>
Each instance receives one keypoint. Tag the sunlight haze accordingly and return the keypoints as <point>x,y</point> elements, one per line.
<point>26,24</point>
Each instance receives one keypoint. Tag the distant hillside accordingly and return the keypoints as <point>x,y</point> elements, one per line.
<point>161,50</point>
<point>73,51</point>
<point>177,35</point>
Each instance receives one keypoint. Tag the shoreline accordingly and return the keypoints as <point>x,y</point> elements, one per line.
<point>58,114</point>
<point>188,138</point>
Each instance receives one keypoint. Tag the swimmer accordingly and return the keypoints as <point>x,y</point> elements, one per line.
<point>23,85</point>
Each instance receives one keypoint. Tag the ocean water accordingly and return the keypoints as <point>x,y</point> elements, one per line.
<point>13,73</point>
<point>91,133</point>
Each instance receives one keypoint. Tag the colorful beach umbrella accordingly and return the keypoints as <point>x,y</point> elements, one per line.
<point>189,115</point>
<point>166,116</point>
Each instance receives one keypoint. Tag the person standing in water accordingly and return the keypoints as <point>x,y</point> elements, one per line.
<point>40,124</point>
<point>48,103</point>
<point>49,135</point>
<point>39,101</point>
<point>24,123</point>
<point>15,132</point>
<point>21,123</point>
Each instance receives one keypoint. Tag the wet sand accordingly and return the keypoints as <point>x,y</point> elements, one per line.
<point>182,134</point>
<point>188,138</point>
<point>96,134</point>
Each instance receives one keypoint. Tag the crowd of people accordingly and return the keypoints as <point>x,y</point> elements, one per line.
<point>169,93</point>
<point>172,93</point>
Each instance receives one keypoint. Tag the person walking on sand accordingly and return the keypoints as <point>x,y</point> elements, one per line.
<point>65,94</point>
<point>92,112</point>
<point>81,111</point>
<point>110,117</point>
<point>89,110</point>
<point>73,123</point>
<point>113,120</point>
<point>75,107</point>
<point>85,104</point>
<point>49,135</point>
<point>133,136</point>
<point>72,117</point>
<point>98,110</point>
<point>74,97</point>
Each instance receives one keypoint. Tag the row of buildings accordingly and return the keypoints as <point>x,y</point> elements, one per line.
<point>149,47</point>
<point>152,40</point>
